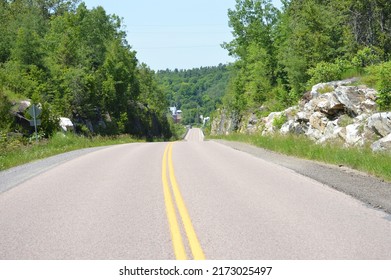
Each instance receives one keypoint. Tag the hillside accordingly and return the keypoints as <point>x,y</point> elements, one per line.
<point>196,91</point>
<point>76,63</point>
<point>281,54</point>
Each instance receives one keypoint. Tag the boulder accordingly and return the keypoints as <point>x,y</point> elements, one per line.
<point>313,133</point>
<point>354,135</point>
<point>343,99</point>
<point>294,128</point>
<point>291,112</point>
<point>317,90</point>
<point>370,93</point>
<point>287,127</point>
<point>331,131</point>
<point>368,106</point>
<point>329,104</point>
<point>380,123</point>
<point>270,128</point>
<point>382,145</point>
<point>351,98</point>
<point>66,124</point>
<point>23,105</point>
<point>318,121</point>
<point>303,117</point>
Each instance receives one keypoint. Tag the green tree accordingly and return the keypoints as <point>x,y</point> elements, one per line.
<point>253,23</point>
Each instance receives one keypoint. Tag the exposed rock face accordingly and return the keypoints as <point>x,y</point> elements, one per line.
<point>224,124</point>
<point>331,111</point>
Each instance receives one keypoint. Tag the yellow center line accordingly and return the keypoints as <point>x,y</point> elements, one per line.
<point>177,242</point>
<point>179,248</point>
<point>194,243</point>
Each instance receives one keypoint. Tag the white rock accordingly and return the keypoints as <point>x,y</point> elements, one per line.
<point>66,124</point>
<point>380,123</point>
<point>371,94</point>
<point>23,105</point>
<point>368,105</point>
<point>351,98</point>
<point>332,130</point>
<point>287,127</point>
<point>316,88</point>
<point>303,116</point>
<point>318,121</point>
<point>382,144</point>
<point>269,122</point>
<point>313,133</point>
<point>354,135</point>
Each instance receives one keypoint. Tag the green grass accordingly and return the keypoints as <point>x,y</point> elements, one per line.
<point>362,159</point>
<point>18,153</point>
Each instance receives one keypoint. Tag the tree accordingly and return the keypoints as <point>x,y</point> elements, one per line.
<point>253,22</point>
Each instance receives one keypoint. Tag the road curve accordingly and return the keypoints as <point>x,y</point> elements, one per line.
<point>113,204</point>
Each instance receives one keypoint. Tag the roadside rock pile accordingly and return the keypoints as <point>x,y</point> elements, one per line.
<point>335,111</point>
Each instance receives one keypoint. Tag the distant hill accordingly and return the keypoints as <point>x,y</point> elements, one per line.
<point>197,91</point>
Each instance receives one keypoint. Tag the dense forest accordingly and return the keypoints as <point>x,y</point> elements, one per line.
<point>197,92</point>
<point>282,53</point>
<point>75,62</point>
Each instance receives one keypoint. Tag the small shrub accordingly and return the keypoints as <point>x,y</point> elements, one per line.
<point>284,97</point>
<point>324,72</point>
<point>366,57</point>
<point>345,120</point>
<point>327,71</point>
<point>326,89</point>
<point>279,121</point>
<point>6,118</point>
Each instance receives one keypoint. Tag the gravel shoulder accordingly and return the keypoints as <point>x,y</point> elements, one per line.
<point>14,176</point>
<point>372,191</point>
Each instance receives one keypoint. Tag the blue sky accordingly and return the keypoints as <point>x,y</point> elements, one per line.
<point>171,34</point>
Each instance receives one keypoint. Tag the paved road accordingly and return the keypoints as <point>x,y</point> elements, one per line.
<point>189,199</point>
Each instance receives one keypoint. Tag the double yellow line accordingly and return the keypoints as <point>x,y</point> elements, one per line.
<point>194,244</point>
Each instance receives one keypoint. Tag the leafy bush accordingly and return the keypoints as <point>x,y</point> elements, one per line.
<point>5,112</point>
<point>284,97</point>
<point>366,57</point>
<point>327,72</point>
<point>279,121</point>
<point>381,76</point>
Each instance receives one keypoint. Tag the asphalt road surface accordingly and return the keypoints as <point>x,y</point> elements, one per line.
<point>193,199</point>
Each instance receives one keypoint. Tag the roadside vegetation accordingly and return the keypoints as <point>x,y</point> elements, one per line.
<point>76,63</point>
<point>17,152</point>
<point>20,150</point>
<point>281,54</point>
<point>362,159</point>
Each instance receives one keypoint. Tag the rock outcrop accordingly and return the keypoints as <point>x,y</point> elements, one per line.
<point>331,111</point>
<point>225,123</point>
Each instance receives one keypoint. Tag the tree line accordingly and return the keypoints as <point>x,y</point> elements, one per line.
<point>282,53</point>
<point>197,91</point>
<point>76,63</point>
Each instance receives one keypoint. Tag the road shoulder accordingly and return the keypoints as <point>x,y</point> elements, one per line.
<point>372,191</point>
<point>14,176</point>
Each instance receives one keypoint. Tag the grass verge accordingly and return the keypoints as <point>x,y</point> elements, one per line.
<point>58,144</point>
<point>362,159</point>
